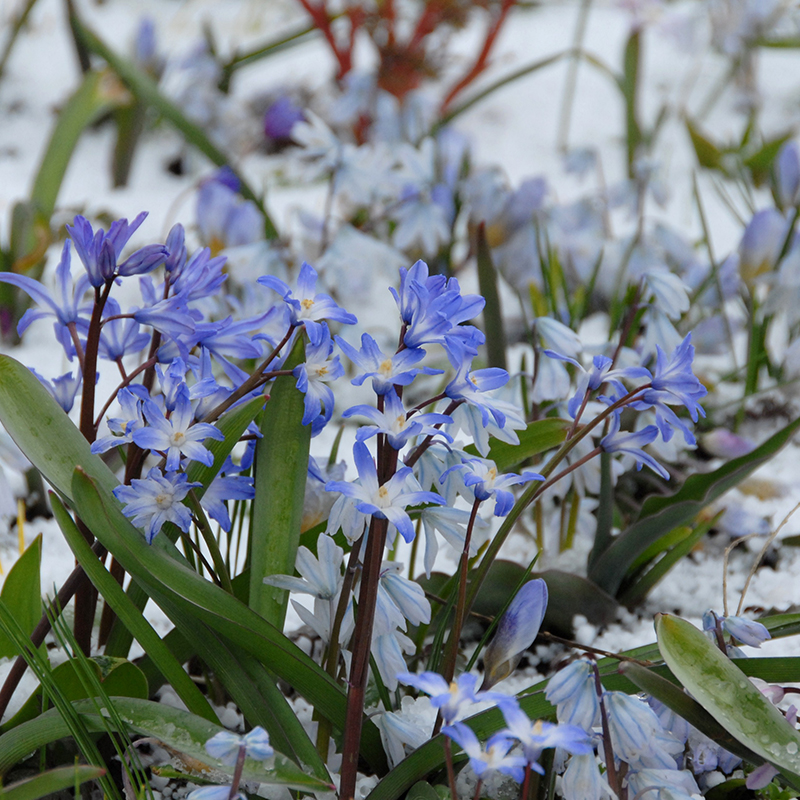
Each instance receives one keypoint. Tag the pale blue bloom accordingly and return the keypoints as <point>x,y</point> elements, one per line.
<point>156,499</point>
<point>452,699</point>
<point>177,435</point>
<point>122,428</point>
<point>482,478</point>
<point>226,487</point>
<point>321,575</point>
<point>747,631</point>
<point>494,758</point>
<point>632,443</point>
<point>636,733</point>
<point>307,307</point>
<point>582,779</point>
<point>386,371</point>
<point>474,387</point>
<point>120,337</point>
<point>314,375</point>
<point>761,243</point>
<point>225,746</point>
<point>787,175</point>
<point>572,691</point>
<point>63,389</point>
<point>515,632</point>
<point>387,501</point>
<point>452,524</point>
<point>535,736</point>
<point>406,595</point>
<point>224,218</point>
<point>214,793</point>
<point>396,423</point>
<point>64,305</point>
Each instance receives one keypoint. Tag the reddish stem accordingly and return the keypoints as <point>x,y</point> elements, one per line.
<point>482,61</point>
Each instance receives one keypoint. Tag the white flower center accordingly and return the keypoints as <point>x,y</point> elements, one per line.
<point>177,438</point>
<point>382,499</point>
<point>322,372</point>
<point>307,303</point>
<point>385,368</point>
<point>400,422</point>
<point>164,500</point>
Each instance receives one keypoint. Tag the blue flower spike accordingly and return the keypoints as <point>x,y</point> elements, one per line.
<point>515,633</point>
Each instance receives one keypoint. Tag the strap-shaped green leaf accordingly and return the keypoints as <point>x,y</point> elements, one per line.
<point>50,782</point>
<point>540,436</point>
<point>131,616</point>
<point>661,514</point>
<point>281,469</point>
<point>22,593</point>
<point>723,690</point>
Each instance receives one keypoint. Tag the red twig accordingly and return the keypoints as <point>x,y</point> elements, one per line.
<point>482,61</point>
<point>322,21</point>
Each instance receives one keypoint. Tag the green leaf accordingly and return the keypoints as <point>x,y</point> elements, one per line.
<point>281,471</point>
<point>132,617</point>
<point>708,154</point>
<point>152,567</point>
<point>44,433</point>
<point>492,312</point>
<point>146,91</point>
<point>116,675</point>
<point>422,790</point>
<point>630,91</point>
<point>672,548</point>
<point>539,437</point>
<point>50,782</point>
<point>22,593</point>
<point>663,513</point>
<point>760,162</point>
<point>181,730</point>
<point>723,690</point>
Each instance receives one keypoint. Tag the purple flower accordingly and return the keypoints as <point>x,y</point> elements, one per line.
<point>387,501</point>
<point>787,175</point>
<point>122,428</point>
<point>761,243</point>
<point>62,389</point>
<point>156,499</point>
<point>386,371</point>
<point>120,337</point>
<point>308,308</point>
<point>100,251</point>
<point>222,488</point>
<point>396,423</point>
<point>674,383</point>
<point>224,218</point>
<point>280,118</point>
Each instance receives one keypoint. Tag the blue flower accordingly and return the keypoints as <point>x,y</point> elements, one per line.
<point>761,243</point>
<point>309,308</point>
<point>120,337</point>
<point>572,691</point>
<point>433,309</point>
<point>452,699</point>
<point>592,379</point>
<point>314,375</point>
<point>387,501</point>
<point>63,389</point>
<point>494,758</point>
<point>395,422</point>
<point>386,371</point>
<point>64,306</point>
<point>482,477</point>
<point>631,444</point>
<point>539,735</point>
<point>224,218</point>
<point>515,632</point>
<point>156,499</point>
<point>226,487</point>
<point>176,435</point>
<point>674,383</point>
<point>473,387</point>
<point>122,428</point>
<point>225,746</point>
<point>100,251</point>
<point>747,631</point>
<point>787,175</point>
